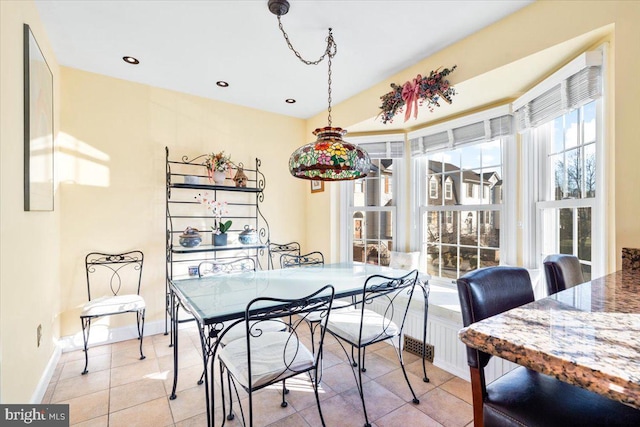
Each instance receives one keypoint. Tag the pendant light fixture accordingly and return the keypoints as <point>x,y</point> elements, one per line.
<point>329,158</point>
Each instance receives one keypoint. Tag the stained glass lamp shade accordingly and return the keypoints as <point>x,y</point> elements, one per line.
<point>329,158</point>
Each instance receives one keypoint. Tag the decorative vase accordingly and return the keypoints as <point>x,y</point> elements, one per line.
<point>190,238</point>
<point>190,179</point>
<point>220,239</point>
<point>219,177</point>
<point>248,236</point>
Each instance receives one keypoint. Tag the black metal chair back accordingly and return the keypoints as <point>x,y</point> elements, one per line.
<point>239,265</point>
<point>266,357</point>
<point>380,314</point>
<point>113,274</point>
<point>394,295</point>
<point>562,272</point>
<point>113,287</point>
<point>278,249</point>
<point>307,260</point>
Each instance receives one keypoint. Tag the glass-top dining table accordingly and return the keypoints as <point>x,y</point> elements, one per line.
<point>588,335</point>
<point>217,300</point>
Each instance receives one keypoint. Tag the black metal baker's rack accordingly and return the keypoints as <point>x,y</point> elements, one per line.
<point>185,180</point>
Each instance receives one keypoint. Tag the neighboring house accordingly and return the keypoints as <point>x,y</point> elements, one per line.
<point>448,185</point>
<point>373,229</point>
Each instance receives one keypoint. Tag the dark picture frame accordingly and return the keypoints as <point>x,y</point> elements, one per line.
<point>38,127</point>
<point>317,186</point>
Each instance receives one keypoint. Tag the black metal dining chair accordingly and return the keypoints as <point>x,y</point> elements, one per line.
<point>315,258</point>
<point>562,272</point>
<point>207,268</point>
<point>278,249</point>
<point>265,357</point>
<point>113,287</point>
<point>361,327</point>
<point>523,397</point>
<point>234,332</point>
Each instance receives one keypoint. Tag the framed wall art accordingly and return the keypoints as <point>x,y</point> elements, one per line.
<point>38,127</point>
<point>317,186</point>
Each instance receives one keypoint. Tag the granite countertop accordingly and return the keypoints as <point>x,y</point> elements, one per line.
<point>588,335</point>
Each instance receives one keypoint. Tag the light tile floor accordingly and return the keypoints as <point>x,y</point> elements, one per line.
<point>121,390</point>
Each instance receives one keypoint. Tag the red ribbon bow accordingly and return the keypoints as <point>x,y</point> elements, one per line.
<point>410,91</point>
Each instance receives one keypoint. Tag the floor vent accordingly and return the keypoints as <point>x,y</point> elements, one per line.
<point>414,346</point>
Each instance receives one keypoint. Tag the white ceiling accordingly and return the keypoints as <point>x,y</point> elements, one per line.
<point>187,46</point>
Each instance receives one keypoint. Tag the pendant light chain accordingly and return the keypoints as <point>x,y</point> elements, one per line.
<point>329,99</point>
<point>330,52</point>
<point>329,158</point>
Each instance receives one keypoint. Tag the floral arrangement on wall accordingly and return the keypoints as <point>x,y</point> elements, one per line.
<point>419,91</point>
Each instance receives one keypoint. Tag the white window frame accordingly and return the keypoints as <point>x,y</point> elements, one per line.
<point>508,239</point>
<point>448,188</point>
<point>433,192</point>
<point>532,200</point>
<point>397,211</point>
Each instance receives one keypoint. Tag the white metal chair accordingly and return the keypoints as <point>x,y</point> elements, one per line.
<point>113,287</point>
<point>265,358</point>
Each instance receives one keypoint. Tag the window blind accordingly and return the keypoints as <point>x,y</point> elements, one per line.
<point>583,85</point>
<point>384,149</point>
<point>455,137</point>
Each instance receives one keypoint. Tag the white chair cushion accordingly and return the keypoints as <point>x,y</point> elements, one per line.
<point>404,260</point>
<point>105,306</point>
<point>337,305</point>
<point>269,360</point>
<point>346,324</point>
<point>239,330</point>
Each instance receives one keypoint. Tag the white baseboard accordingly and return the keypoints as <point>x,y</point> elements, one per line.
<point>41,389</point>
<point>74,342</point>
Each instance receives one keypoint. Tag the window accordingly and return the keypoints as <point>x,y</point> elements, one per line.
<point>448,188</point>
<point>562,125</point>
<point>567,146</point>
<point>458,238</point>
<point>462,230</point>
<point>371,205</point>
<point>433,187</point>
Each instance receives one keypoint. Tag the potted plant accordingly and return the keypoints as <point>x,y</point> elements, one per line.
<point>217,165</point>
<point>220,232</point>
<point>217,209</point>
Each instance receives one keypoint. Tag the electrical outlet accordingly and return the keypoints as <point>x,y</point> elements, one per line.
<point>39,333</point>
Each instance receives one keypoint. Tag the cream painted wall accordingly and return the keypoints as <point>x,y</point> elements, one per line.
<point>112,139</point>
<point>114,135</point>
<point>29,241</point>
<point>539,26</point>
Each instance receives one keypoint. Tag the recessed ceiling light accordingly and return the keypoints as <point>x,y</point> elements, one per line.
<point>290,101</point>
<point>130,60</point>
<point>222,83</point>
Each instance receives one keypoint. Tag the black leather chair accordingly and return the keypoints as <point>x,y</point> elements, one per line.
<point>562,272</point>
<point>523,397</point>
